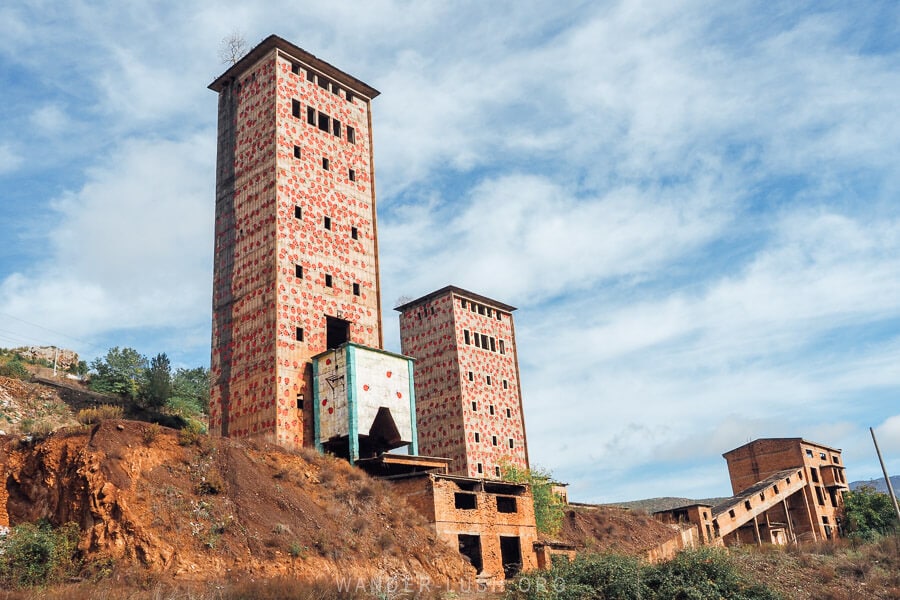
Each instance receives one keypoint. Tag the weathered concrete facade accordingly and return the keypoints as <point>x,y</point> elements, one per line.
<point>821,468</point>
<point>467,380</point>
<point>295,262</point>
<point>491,522</point>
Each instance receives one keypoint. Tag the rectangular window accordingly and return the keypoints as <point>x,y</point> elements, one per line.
<point>491,411</point>
<point>511,443</point>
<point>327,223</point>
<point>295,68</point>
<point>352,175</point>
<point>462,302</point>
<point>498,316</point>
<point>477,341</point>
<point>298,212</point>
<point>488,379</point>
<point>356,289</point>
<point>324,83</point>
<point>484,341</point>
<point>349,95</point>
<point>465,501</point>
<point>351,135</point>
<point>324,122</point>
<point>474,407</point>
<point>326,164</point>
<point>480,309</point>
<point>809,453</point>
<point>310,76</point>
<point>815,474</point>
<point>299,401</point>
<point>354,233</point>
<point>747,504</point>
<point>497,471</point>
<point>493,345</point>
<point>502,348</point>
<point>310,115</point>
<point>471,376</point>
<point>822,456</point>
<point>509,413</point>
<point>479,468</point>
<point>505,384</point>
<point>299,334</point>
<point>298,271</point>
<point>336,127</point>
<point>328,281</point>
<point>489,313</point>
<point>295,108</point>
<point>477,437</point>
<point>506,504</point>
<point>493,440</point>
<point>467,337</point>
<point>296,151</point>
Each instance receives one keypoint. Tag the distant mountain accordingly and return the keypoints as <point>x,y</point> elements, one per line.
<point>878,484</point>
<point>652,505</point>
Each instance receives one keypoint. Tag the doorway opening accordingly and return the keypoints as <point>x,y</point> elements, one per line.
<point>337,332</point>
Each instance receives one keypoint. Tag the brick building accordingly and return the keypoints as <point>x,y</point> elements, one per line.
<point>296,261</point>
<point>468,393</point>
<point>816,513</point>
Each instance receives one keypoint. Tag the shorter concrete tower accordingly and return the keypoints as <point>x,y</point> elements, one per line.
<point>468,397</point>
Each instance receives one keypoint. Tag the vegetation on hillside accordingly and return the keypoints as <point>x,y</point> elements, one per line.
<point>869,514</point>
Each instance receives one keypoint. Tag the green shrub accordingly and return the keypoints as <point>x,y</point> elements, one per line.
<point>16,369</point>
<point>92,416</point>
<point>703,574</point>
<point>869,513</point>
<point>191,433</point>
<point>37,554</point>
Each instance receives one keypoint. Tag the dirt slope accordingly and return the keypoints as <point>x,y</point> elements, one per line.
<point>217,507</point>
<point>609,529</point>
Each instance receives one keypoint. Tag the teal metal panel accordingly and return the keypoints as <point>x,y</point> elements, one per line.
<point>317,426</point>
<point>414,446</point>
<point>352,415</point>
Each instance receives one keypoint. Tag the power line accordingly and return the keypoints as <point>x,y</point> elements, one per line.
<point>47,329</point>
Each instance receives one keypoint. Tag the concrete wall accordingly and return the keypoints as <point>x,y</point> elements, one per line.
<point>260,370</point>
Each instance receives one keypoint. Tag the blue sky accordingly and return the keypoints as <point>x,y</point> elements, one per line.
<point>693,204</point>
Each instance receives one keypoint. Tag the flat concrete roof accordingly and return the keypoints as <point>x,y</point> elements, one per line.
<point>272,42</point>
<point>457,291</point>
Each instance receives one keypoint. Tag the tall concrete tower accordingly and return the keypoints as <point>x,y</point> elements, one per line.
<point>296,253</point>
<point>468,394</point>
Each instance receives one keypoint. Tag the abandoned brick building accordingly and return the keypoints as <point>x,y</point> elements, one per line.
<point>785,490</point>
<point>295,260</point>
<point>467,380</point>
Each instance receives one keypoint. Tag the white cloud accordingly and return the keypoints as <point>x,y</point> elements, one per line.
<point>10,160</point>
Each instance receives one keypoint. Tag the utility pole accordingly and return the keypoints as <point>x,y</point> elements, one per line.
<point>55,356</point>
<point>887,479</point>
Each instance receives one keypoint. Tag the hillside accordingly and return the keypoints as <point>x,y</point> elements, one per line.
<point>652,505</point>
<point>211,509</point>
<point>879,484</point>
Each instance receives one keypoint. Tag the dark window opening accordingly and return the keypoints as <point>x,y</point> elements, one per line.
<point>509,413</point>
<point>822,456</point>
<point>352,175</point>
<point>471,376</point>
<point>762,496</point>
<point>477,437</point>
<point>323,122</point>
<point>505,384</point>
<point>351,135</point>
<point>731,513</point>
<point>324,83</point>
<point>493,345</point>
<point>477,341</point>
<point>310,115</point>
<point>298,271</point>
<point>299,334</point>
<point>326,164</point>
<point>506,504</point>
<point>470,547</point>
<point>502,348</point>
<point>354,233</point>
<point>337,332</point>
<point>295,68</point>
<point>300,401</point>
<point>480,309</point>
<point>475,406</point>
<point>775,488</point>
<point>462,302</point>
<point>327,223</point>
<point>488,379</point>
<point>493,440</point>
<point>465,501</point>
<point>349,95</point>
<point>497,471</point>
<point>336,127</point>
<point>296,151</point>
<point>479,468</point>
<point>510,556</point>
<point>489,313</point>
<point>511,443</point>
<point>747,504</point>
<point>809,453</point>
<point>295,108</point>
<point>356,289</point>
<point>328,281</point>
<point>491,411</point>
<point>484,341</point>
<point>466,337</point>
<point>498,316</point>
<point>819,496</point>
<point>815,474</point>
<point>310,76</point>
<point>298,212</point>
